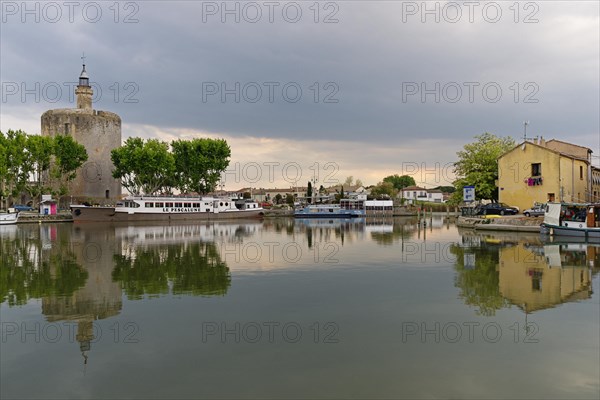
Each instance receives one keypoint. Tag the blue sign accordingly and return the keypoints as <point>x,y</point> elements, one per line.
<point>468,193</point>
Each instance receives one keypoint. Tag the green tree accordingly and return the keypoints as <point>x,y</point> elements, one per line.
<point>278,198</point>
<point>144,167</point>
<point>383,189</point>
<point>349,181</point>
<point>39,149</point>
<point>247,195</point>
<point>446,189</point>
<point>17,164</point>
<point>477,165</point>
<point>289,199</point>
<point>68,156</point>
<point>400,182</point>
<point>3,167</point>
<point>199,163</point>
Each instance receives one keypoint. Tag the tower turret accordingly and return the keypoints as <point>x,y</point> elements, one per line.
<point>84,91</point>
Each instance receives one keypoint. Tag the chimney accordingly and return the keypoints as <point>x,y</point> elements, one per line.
<point>542,141</point>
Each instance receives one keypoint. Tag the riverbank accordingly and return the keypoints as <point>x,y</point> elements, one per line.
<point>501,223</point>
<point>35,218</point>
<point>65,216</point>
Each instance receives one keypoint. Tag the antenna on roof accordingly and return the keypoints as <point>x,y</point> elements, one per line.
<point>525,138</point>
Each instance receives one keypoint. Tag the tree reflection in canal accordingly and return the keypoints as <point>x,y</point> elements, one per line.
<point>195,269</point>
<point>30,269</point>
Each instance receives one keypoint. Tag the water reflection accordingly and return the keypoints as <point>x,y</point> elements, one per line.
<point>499,270</point>
<point>139,275</point>
<point>31,268</point>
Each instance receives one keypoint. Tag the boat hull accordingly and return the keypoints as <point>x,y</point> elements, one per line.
<point>587,233</point>
<point>9,219</point>
<point>109,214</point>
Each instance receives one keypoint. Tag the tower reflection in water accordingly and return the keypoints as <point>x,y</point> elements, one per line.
<point>80,273</point>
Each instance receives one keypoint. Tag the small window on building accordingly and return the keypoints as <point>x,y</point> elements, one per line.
<point>581,172</point>
<point>107,193</point>
<point>536,169</point>
<point>551,197</point>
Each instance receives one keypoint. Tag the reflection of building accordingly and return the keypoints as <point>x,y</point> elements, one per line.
<point>100,297</point>
<point>535,281</point>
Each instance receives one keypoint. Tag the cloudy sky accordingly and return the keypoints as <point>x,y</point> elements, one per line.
<point>340,88</point>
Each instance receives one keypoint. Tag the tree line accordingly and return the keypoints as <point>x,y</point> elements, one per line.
<point>156,167</point>
<point>37,164</point>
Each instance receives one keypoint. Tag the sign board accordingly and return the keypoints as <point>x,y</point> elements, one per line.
<point>468,193</point>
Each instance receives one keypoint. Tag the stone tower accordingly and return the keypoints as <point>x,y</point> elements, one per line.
<point>99,132</point>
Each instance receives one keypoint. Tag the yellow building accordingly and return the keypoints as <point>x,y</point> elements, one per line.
<point>540,171</point>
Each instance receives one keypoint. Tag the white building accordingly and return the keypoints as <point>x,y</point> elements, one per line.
<point>413,194</point>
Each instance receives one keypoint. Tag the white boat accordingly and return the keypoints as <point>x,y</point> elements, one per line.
<point>327,211</point>
<point>572,219</point>
<point>348,208</point>
<point>9,218</point>
<point>151,208</point>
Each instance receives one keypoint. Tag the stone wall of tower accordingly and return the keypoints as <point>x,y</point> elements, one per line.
<point>99,132</point>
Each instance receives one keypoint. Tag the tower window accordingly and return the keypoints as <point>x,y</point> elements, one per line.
<point>580,172</point>
<point>107,193</point>
<point>67,129</point>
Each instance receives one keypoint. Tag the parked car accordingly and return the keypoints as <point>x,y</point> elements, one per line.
<point>22,207</point>
<point>497,209</point>
<point>537,210</point>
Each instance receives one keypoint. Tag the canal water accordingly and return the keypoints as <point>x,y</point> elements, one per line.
<point>296,309</point>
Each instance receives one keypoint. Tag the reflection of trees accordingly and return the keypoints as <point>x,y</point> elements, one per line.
<point>479,283</point>
<point>28,271</point>
<point>195,268</point>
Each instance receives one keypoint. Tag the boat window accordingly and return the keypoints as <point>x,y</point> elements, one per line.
<point>169,204</point>
<point>178,205</point>
<point>187,205</point>
<point>573,213</point>
<point>226,204</point>
<point>149,205</point>
<point>196,205</point>
<point>161,205</point>
<point>221,204</point>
